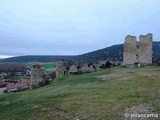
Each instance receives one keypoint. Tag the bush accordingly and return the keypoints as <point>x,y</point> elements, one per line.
<point>158,63</point>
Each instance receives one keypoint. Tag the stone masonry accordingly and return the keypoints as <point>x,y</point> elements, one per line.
<point>145,49</point>
<point>130,50</point>
<point>137,52</point>
<point>38,76</point>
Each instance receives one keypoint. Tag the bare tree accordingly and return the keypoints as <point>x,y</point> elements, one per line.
<point>12,67</point>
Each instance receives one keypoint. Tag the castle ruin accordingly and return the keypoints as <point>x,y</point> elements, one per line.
<point>38,76</point>
<point>137,52</point>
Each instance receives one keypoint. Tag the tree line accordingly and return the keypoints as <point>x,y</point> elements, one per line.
<point>12,67</point>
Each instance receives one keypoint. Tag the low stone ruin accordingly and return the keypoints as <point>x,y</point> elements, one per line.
<point>38,76</point>
<point>87,69</point>
<point>137,52</point>
<point>60,68</point>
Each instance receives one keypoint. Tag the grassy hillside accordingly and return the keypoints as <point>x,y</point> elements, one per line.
<point>99,95</point>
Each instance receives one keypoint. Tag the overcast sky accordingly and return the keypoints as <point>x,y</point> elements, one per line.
<point>72,27</point>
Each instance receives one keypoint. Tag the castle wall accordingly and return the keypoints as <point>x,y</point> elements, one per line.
<point>145,49</point>
<point>137,52</point>
<point>38,76</point>
<point>130,50</point>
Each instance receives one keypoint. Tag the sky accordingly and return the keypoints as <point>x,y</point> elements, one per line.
<point>73,27</point>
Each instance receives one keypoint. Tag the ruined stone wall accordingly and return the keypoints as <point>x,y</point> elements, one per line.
<point>130,50</point>
<point>38,76</point>
<point>137,52</point>
<point>60,68</point>
<point>145,48</point>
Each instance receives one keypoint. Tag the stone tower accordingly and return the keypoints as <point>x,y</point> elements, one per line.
<point>145,48</point>
<point>137,52</point>
<point>38,76</point>
<point>130,50</point>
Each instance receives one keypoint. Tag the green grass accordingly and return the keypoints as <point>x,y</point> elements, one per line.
<point>45,65</point>
<point>86,96</point>
<point>48,65</point>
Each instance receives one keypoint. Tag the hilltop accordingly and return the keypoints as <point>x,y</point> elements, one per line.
<point>114,52</point>
<point>109,93</point>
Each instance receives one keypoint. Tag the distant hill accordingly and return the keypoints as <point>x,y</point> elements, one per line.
<point>114,52</point>
<point>38,58</point>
